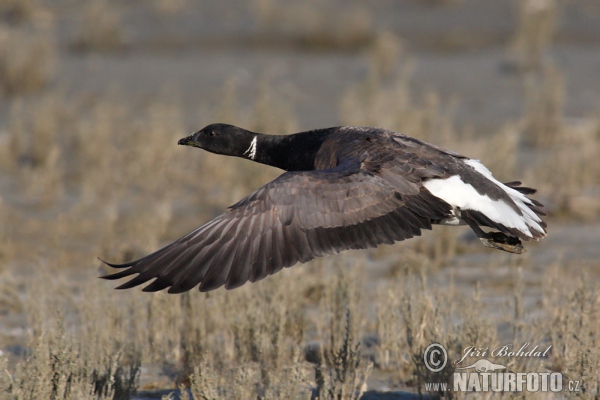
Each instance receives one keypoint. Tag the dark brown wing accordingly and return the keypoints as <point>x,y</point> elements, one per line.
<point>295,218</point>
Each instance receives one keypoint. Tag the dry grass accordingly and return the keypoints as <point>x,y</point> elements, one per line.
<point>570,171</point>
<point>27,59</point>
<point>169,7</point>
<point>18,11</point>
<point>14,10</point>
<point>568,167</point>
<point>270,339</point>
<point>543,116</point>
<point>94,358</point>
<point>93,176</point>
<point>89,343</point>
<point>315,24</point>
<point>36,149</point>
<point>533,37</point>
<point>101,28</point>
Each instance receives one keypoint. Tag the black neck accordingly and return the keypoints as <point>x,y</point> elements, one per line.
<point>296,152</point>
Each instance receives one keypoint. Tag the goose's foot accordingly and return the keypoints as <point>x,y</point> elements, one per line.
<point>500,241</point>
<point>497,240</point>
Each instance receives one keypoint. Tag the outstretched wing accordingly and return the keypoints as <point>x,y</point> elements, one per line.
<point>295,218</point>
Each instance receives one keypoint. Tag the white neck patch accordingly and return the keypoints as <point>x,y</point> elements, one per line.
<point>252,149</point>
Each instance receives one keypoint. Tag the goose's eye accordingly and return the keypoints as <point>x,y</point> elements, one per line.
<point>211,133</point>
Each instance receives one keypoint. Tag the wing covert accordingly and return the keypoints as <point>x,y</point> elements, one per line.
<point>295,218</point>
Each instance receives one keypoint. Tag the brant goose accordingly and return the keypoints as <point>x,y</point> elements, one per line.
<point>344,188</point>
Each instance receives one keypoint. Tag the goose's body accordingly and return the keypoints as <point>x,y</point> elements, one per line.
<point>345,188</point>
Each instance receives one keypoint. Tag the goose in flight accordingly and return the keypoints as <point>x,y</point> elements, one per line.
<point>344,188</point>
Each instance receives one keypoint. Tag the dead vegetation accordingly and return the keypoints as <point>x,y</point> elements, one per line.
<point>252,342</point>
<point>18,11</point>
<point>534,34</point>
<point>99,175</point>
<point>101,29</point>
<point>315,25</point>
<point>27,59</point>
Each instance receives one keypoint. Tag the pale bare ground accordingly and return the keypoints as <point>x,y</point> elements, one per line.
<point>90,168</point>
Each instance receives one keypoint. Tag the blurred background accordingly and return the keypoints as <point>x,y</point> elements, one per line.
<point>95,94</point>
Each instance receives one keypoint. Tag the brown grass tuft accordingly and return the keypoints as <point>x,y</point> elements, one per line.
<point>101,28</point>
<point>315,25</point>
<point>169,7</point>
<point>19,11</point>
<point>544,102</point>
<point>27,60</point>
<point>85,363</point>
<point>570,172</point>
<point>37,151</point>
<point>535,32</point>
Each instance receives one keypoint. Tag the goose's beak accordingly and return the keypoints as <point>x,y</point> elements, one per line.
<point>186,141</point>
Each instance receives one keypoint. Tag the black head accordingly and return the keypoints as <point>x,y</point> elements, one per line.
<point>221,139</point>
